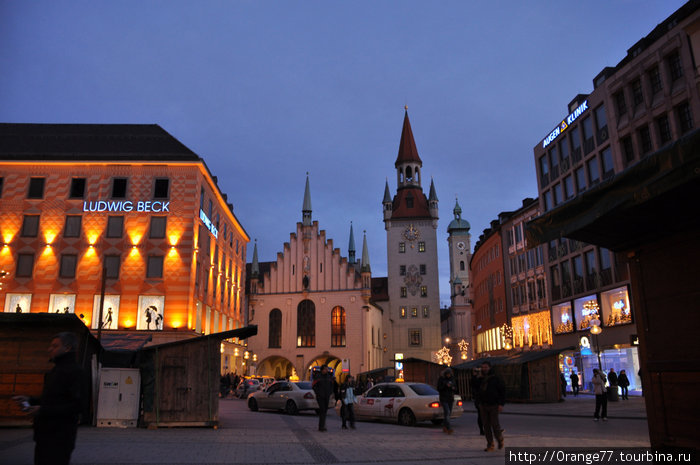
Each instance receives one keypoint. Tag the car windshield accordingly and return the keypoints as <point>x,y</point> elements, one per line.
<point>304,385</point>
<point>423,389</point>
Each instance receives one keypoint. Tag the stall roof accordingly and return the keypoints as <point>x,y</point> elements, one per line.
<point>516,359</point>
<point>653,198</point>
<point>128,342</point>
<point>241,333</point>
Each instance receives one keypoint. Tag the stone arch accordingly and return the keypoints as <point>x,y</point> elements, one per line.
<point>277,367</point>
<point>325,359</point>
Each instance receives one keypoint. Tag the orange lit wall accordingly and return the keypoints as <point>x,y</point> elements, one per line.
<point>179,247</point>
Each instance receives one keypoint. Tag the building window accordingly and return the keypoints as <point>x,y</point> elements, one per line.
<point>564,148</point>
<point>575,140</point>
<point>426,312</point>
<point>118,188</point>
<point>338,327</point>
<point>637,94</point>
<point>402,270</point>
<point>664,128</point>
<point>72,226</point>
<point>593,173</point>
<point>422,269</point>
<point>675,67</point>
<point>112,264</point>
<point>68,266</point>
<point>655,80</point>
<point>601,119</point>
<point>158,225</point>
<point>409,202</point>
<point>414,337</point>
<point>275,325</point>
<point>424,291</point>
<point>30,226</point>
<point>607,159</point>
<point>645,143</point>
<point>421,246</point>
<point>544,166</point>
<point>627,150</point>
<point>36,188</point>
<point>414,312</point>
<point>404,292</point>
<point>115,226</point>
<point>547,201</point>
<point>461,265</point>
<point>587,129</point>
<point>402,247</point>
<point>402,312</point>
<point>161,188</point>
<point>154,267</point>
<point>197,271</point>
<point>557,194</point>
<point>685,117</point>
<point>306,324</point>
<point>620,104</point>
<point>25,265</point>
<point>77,188</point>
<point>569,187</point>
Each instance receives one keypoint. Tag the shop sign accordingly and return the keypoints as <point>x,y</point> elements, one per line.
<point>566,122</point>
<point>155,206</point>
<point>207,222</point>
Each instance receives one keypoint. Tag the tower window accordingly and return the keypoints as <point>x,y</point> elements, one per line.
<point>402,312</point>
<point>424,291</point>
<point>404,292</point>
<point>421,246</point>
<point>461,265</point>
<point>402,247</point>
<point>402,270</point>
<point>422,269</point>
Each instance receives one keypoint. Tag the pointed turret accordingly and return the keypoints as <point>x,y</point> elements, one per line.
<point>351,247</point>
<point>433,200</point>
<point>306,208</point>
<point>458,226</point>
<point>387,202</point>
<point>365,255</point>
<point>408,153</point>
<point>254,270</point>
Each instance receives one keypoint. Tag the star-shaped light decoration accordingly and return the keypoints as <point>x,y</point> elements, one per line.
<point>463,345</point>
<point>444,356</point>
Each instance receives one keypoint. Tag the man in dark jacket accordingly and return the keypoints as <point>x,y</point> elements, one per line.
<point>324,385</point>
<point>447,387</point>
<point>492,398</point>
<point>56,412</point>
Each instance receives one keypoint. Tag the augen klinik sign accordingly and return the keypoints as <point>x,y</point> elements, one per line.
<point>155,206</point>
<point>565,124</point>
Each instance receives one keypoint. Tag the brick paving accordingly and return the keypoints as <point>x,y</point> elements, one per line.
<point>269,438</point>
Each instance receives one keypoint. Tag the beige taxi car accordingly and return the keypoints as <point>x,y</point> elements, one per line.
<point>405,403</point>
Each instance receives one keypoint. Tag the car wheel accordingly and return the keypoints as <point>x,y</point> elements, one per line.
<point>437,422</point>
<point>291,408</point>
<point>253,404</point>
<point>406,417</point>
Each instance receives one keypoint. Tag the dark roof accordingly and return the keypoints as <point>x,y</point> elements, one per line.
<point>420,208</point>
<point>91,142</point>
<point>241,333</point>
<point>516,359</point>
<point>130,342</point>
<point>408,153</point>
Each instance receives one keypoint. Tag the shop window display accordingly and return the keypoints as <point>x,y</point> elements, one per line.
<point>563,319</point>
<point>616,307</point>
<point>586,309</point>
<point>110,311</point>
<point>62,303</point>
<point>150,312</point>
<point>18,303</point>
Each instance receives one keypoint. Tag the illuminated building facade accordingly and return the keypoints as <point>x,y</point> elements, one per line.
<point>489,294</point>
<point>124,207</point>
<point>526,280</point>
<point>644,103</point>
<point>313,306</point>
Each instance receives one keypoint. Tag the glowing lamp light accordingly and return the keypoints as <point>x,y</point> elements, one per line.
<point>128,323</point>
<point>176,324</point>
<point>246,355</point>
<point>222,348</point>
<point>173,240</point>
<point>135,239</point>
<point>7,238</point>
<point>595,326</point>
<point>50,238</point>
<point>235,352</point>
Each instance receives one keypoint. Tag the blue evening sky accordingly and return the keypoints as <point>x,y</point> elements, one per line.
<point>265,91</point>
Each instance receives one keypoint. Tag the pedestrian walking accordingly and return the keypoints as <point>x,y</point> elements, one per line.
<point>475,383</point>
<point>348,401</point>
<point>624,382</point>
<point>492,398</point>
<point>574,383</point>
<point>324,385</point>
<point>562,382</point>
<point>601,399</point>
<point>612,380</point>
<point>56,412</point>
<point>447,387</point>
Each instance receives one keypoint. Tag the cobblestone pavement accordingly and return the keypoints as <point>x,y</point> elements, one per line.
<point>247,437</point>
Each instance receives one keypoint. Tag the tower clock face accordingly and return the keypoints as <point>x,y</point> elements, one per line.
<point>461,245</point>
<point>411,233</point>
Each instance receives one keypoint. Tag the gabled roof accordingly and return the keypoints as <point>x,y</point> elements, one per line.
<point>408,153</point>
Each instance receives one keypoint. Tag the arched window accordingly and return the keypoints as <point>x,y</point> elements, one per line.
<point>306,324</point>
<point>417,175</point>
<point>338,327</point>
<point>409,176</point>
<point>461,265</point>
<point>275,337</point>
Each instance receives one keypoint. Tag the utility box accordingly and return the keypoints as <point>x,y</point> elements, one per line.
<point>118,404</point>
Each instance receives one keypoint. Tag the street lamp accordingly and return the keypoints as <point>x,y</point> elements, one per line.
<point>595,331</point>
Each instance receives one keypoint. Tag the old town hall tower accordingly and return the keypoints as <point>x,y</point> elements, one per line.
<point>411,221</point>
